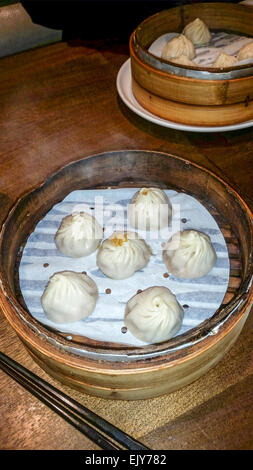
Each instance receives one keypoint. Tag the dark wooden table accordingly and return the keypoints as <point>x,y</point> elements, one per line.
<point>58,104</point>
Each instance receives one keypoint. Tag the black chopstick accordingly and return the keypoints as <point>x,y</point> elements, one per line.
<point>85,429</point>
<point>104,434</point>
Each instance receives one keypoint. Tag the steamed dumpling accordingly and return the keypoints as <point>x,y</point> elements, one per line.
<point>246,52</point>
<point>189,254</point>
<point>154,315</point>
<point>197,32</point>
<point>122,254</point>
<point>183,60</point>
<point>177,46</point>
<point>69,297</point>
<point>149,209</point>
<point>78,235</point>
<point>224,60</point>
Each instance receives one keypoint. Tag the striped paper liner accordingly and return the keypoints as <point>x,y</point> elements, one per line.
<point>200,298</point>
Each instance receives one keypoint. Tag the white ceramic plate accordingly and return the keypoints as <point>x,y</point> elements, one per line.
<point>124,87</point>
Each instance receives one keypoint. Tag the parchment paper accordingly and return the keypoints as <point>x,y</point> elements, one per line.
<point>41,259</point>
<point>206,55</point>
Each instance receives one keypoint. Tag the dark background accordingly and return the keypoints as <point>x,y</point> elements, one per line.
<point>97,19</point>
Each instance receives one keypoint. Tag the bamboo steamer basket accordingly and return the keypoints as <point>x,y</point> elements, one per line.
<point>117,371</point>
<point>204,96</point>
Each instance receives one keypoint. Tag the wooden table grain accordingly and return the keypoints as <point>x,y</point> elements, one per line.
<point>59,103</point>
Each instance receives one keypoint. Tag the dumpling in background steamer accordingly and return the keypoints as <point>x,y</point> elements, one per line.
<point>183,60</point>
<point>246,52</point>
<point>224,60</point>
<point>154,315</point>
<point>69,297</point>
<point>197,32</point>
<point>149,209</point>
<point>78,235</point>
<point>189,254</point>
<point>177,46</point>
<point>122,254</point>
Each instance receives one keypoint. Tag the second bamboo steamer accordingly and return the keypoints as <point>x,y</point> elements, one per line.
<point>203,96</point>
